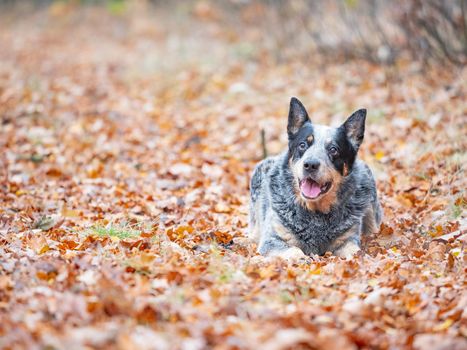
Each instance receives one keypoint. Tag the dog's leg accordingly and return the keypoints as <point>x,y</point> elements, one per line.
<point>270,243</point>
<point>347,250</point>
<point>347,244</point>
<point>253,221</point>
<point>274,246</point>
<point>372,219</point>
<point>277,241</point>
<point>291,254</point>
<point>257,198</point>
<point>378,210</point>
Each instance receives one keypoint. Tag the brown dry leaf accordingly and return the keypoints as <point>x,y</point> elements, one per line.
<point>222,208</point>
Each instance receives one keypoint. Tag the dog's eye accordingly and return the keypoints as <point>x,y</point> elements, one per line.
<point>302,146</point>
<point>333,151</point>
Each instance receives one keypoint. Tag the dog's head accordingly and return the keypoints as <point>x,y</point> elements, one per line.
<point>320,157</point>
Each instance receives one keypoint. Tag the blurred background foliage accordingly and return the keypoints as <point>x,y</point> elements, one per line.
<point>376,30</point>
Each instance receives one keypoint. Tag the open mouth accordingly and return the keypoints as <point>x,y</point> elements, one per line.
<point>311,189</point>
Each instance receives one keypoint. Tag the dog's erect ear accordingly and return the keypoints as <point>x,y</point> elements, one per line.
<point>297,116</point>
<point>354,127</point>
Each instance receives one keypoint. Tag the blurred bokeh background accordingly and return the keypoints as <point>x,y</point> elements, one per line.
<point>376,30</point>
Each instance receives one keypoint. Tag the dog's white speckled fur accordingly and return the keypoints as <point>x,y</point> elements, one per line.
<point>286,223</point>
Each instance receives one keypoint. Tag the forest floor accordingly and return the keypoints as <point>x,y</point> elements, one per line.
<point>126,146</point>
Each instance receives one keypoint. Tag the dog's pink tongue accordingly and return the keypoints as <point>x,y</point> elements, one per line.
<point>310,188</point>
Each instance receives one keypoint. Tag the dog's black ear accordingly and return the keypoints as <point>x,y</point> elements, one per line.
<point>354,127</point>
<point>297,116</point>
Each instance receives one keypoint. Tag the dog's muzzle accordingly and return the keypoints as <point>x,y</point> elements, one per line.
<point>311,189</point>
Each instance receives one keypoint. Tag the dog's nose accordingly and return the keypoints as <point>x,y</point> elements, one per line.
<point>311,165</point>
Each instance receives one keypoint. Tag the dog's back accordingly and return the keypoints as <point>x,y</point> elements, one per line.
<point>258,197</point>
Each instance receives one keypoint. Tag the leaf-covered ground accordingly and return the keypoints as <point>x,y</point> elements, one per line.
<point>126,145</point>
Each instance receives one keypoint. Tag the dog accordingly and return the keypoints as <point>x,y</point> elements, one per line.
<point>316,196</point>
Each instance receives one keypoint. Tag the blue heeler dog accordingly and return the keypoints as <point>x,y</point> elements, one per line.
<point>316,196</point>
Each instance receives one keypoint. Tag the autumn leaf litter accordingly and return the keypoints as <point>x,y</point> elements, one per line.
<point>125,192</point>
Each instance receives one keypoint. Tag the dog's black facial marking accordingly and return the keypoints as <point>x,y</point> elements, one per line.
<point>346,152</point>
<point>300,141</point>
<point>347,141</point>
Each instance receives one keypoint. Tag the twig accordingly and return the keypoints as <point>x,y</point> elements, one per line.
<point>263,143</point>
<point>464,24</point>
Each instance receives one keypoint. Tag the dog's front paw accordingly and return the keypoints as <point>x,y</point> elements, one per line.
<point>291,254</point>
<point>348,250</point>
